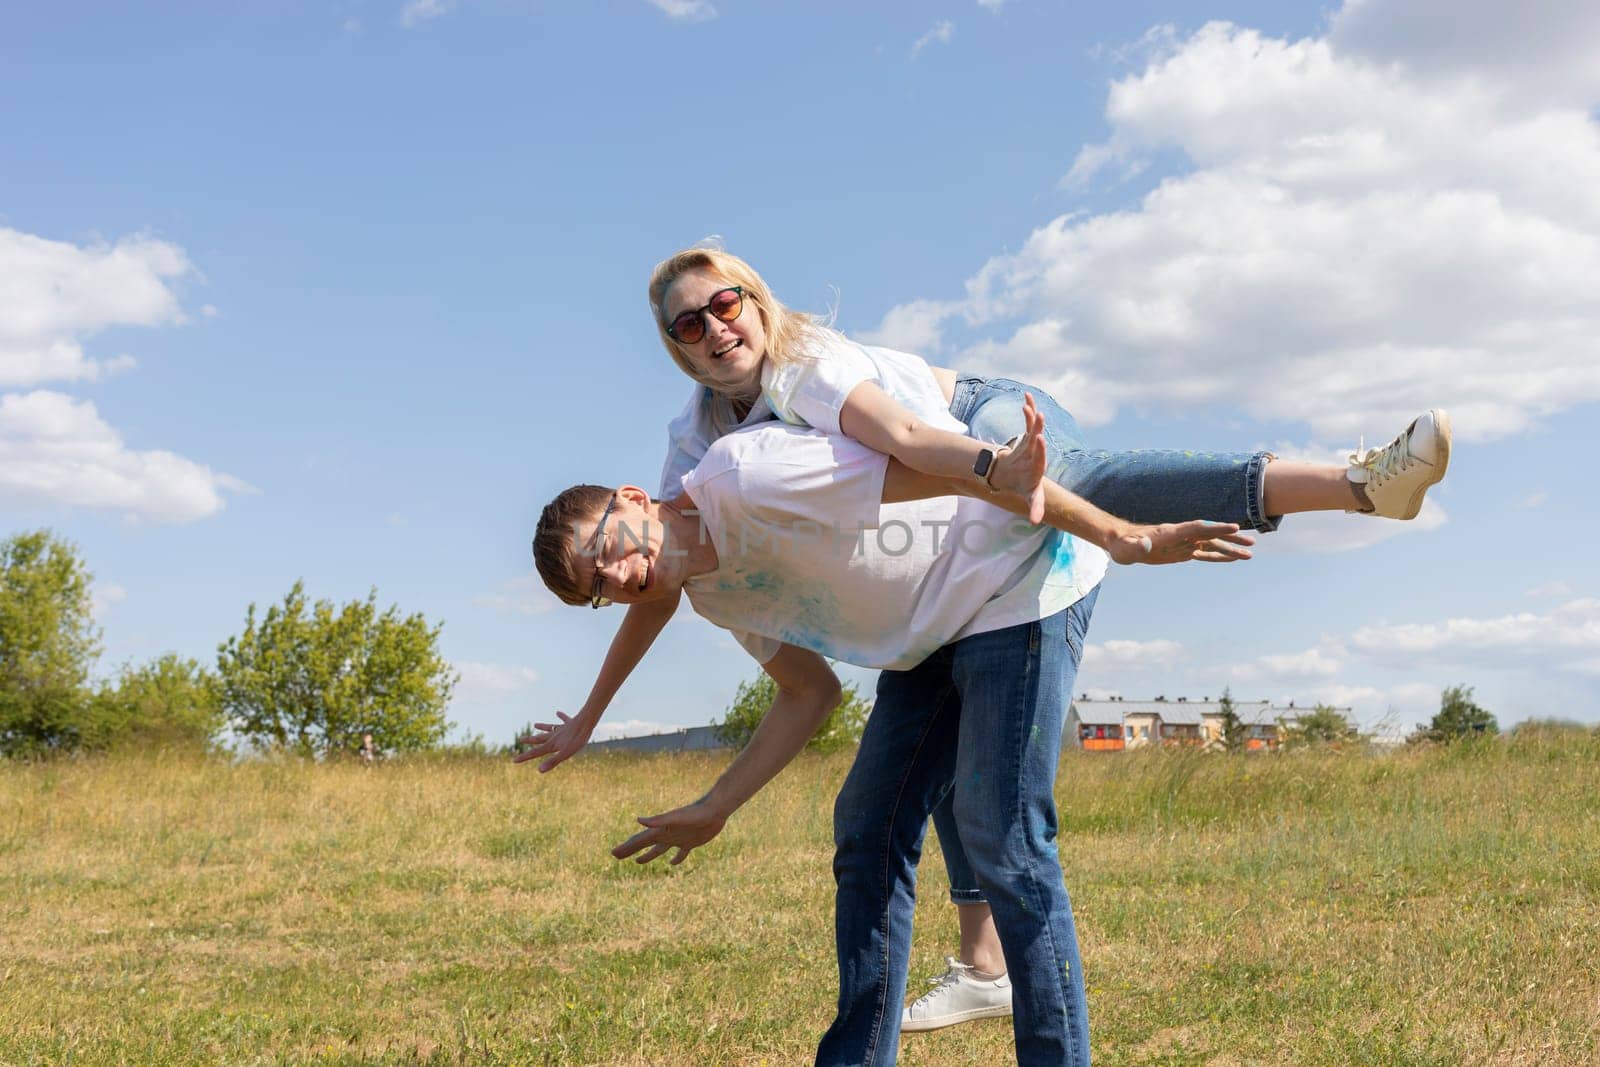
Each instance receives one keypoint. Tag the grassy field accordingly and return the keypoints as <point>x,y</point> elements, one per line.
<point>1430,907</point>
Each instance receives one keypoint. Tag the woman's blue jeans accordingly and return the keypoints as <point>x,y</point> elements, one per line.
<point>972,735</point>
<point>1147,486</point>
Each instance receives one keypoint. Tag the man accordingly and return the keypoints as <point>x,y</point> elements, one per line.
<point>805,545</point>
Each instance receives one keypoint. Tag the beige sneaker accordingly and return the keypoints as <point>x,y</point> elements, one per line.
<point>957,997</point>
<point>1397,476</point>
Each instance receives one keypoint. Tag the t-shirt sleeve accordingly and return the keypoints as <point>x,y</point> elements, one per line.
<point>812,391</point>
<point>761,649</point>
<point>687,440</point>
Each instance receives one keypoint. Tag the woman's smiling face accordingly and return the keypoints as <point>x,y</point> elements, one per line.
<point>731,353</point>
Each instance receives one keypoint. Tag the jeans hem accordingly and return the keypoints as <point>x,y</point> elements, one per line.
<point>1256,494</point>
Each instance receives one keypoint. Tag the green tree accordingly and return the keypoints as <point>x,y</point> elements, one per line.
<point>48,644</point>
<point>841,729</point>
<point>312,678</point>
<point>170,701</point>
<point>1234,731</point>
<point>1458,716</point>
<point>1322,725</point>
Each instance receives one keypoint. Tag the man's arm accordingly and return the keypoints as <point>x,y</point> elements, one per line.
<point>559,741</point>
<point>807,691</point>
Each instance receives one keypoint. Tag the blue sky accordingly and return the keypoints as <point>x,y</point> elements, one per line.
<point>347,291</point>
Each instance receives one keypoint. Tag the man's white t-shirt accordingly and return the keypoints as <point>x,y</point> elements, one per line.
<point>809,556</point>
<point>811,391</point>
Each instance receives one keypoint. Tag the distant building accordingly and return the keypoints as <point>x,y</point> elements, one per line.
<point>1114,724</point>
<point>1096,725</point>
<point>688,739</point>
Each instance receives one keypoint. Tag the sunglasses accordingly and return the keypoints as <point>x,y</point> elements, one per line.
<point>596,598</point>
<point>690,326</point>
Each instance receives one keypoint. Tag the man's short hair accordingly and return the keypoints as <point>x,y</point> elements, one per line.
<point>555,548</point>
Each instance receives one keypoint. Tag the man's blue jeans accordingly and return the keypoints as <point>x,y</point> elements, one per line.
<point>1147,486</point>
<point>981,720</point>
<point>975,731</point>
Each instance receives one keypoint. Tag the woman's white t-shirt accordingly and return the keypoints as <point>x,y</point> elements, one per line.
<point>811,390</point>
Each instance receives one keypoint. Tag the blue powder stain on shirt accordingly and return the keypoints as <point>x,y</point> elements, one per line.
<point>1061,563</point>
<point>761,582</point>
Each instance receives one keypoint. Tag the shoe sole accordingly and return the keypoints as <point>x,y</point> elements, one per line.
<point>918,1026</point>
<point>1441,431</point>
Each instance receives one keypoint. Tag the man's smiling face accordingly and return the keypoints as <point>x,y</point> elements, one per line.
<point>627,557</point>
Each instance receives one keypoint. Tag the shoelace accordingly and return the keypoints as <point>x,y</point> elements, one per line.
<point>944,982</point>
<point>1384,463</point>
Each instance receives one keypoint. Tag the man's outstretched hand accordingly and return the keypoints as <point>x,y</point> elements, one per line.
<point>558,741</point>
<point>1180,542</point>
<point>685,829</point>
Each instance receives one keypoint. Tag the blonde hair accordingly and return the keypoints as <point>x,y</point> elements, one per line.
<point>788,331</point>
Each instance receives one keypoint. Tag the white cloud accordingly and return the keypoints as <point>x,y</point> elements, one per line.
<point>1534,499</point>
<point>55,449</point>
<point>1566,636</point>
<point>54,295</point>
<point>523,595</point>
<point>490,681</point>
<point>1321,532</point>
<point>103,597</point>
<point>417,12</point>
<point>912,327</point>
<point>1551,589</point>
<point>1112,654</point>
<point>686,10</point>
<point>941,33</point>
<point>1312,663</point>
<point>1545,51</point>
<point>991,6</point>
<point>1365,232</point>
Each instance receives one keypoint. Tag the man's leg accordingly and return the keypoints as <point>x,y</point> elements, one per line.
<point>1014,686</point>
<point>903,767</point>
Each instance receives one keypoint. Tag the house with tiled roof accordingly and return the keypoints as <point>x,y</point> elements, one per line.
<point>1092,723</point>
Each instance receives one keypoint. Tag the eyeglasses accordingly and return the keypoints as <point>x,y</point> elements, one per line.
<point>690,326</point>
<point>597,601</point>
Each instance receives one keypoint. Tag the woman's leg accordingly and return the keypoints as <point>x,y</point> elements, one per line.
<point>1253,489</point>
<point>979,946</point>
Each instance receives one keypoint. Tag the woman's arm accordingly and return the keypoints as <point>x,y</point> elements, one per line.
<point>882,423</point>
<point>561,741</point>
<point>1212,542</point>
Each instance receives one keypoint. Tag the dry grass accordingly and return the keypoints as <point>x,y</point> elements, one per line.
<point>1433,907</point>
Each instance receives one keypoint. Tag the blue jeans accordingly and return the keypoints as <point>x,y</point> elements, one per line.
<point>980,721</point>
<point>1140,486</point>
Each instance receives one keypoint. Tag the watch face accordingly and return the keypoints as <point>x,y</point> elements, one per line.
<point>981,466</point>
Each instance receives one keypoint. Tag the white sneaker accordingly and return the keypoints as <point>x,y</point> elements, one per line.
<point>957,997</point>
<point>1397,476</point>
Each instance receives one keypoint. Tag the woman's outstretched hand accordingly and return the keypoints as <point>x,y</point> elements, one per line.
<point>1180,542</point>
<point>1020,469</point>
<point>558,741</point>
